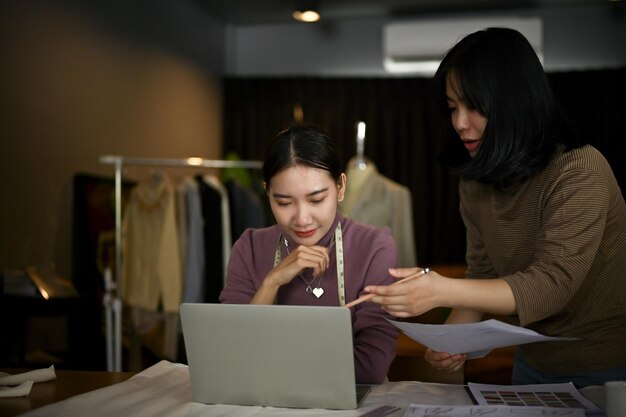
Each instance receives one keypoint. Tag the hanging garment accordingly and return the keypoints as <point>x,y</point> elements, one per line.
<point>377,200</point>
<point>151,275</point>
<point>246,209</point>
<point>152,281</point>
<point>181,221</point>
<point>214,250</point>
<point>194,262</point>
<point>227,242</point>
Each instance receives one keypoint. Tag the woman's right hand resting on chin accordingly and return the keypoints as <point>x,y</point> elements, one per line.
<point>313,257</point>
<point>303,257</point>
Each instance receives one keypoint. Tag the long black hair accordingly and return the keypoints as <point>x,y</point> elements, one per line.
<point>500,75</point>
<point>301,145</point>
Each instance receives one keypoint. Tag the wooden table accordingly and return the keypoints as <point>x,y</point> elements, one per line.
<point>67,384</point>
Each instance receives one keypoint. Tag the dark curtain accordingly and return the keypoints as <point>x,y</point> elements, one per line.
<point>400,136</point>
<point>595,102</point>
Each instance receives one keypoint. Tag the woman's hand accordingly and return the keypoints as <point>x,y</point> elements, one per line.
<point>411,298</point>
<point>445,362</point>
<point>303,257</point>
<point>314,257</point>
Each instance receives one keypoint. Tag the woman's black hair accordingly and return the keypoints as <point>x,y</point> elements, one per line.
<point>499,74</point>
<point>301,145</point>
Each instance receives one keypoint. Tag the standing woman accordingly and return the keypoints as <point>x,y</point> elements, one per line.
<point>313,255</point>
<point>545,219</point>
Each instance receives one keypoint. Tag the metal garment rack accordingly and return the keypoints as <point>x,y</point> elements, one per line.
<point>112,298</point>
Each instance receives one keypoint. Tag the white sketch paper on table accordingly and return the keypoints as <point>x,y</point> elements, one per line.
<point>418,410</point>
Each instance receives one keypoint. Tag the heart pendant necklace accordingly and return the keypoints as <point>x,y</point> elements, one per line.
<point>318,292</point>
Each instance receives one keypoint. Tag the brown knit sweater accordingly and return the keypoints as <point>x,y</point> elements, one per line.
<point>559,240</point>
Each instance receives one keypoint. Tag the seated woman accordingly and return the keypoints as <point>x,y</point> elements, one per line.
<point>313,255</point>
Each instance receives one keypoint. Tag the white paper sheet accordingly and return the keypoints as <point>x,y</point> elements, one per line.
<point>22,390</point>
<point>19,385</point>
<point>559,396</point>
<point>417,410</point>
<point>476,339</point>
<point>164,390</point>
<point>37,375</point>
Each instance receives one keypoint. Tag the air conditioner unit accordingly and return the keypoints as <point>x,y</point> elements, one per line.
<point>417,47</point>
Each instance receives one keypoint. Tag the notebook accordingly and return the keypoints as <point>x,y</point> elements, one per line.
<point>269,355</point>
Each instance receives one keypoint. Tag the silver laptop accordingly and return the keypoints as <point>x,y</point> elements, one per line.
<point>268,355</point>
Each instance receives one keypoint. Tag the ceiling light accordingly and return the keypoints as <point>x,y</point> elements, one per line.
<point>306,11</point>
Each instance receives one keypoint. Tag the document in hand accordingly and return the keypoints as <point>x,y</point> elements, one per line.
<point>476,339</point>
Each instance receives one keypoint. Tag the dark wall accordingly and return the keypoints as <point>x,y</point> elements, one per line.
<point>401,139</point>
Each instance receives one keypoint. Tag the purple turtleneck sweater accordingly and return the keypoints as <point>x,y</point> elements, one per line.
<point>368,254</point>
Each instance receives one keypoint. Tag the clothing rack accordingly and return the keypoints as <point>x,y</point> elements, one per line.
<point>112,298</point>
